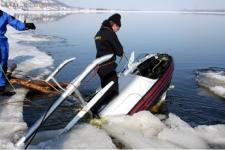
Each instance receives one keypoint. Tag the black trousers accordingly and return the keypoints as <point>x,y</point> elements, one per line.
<point>112,92</point>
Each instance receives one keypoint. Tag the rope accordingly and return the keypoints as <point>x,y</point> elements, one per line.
<point>32,78</point>
<point>96,70</point>
<point>160,60</point>
<point>7,78</point>
<point>103,65</point>
<point>52,86</point>
<point>124,55</point>
<point>93,76</point>
<point>84,82</point>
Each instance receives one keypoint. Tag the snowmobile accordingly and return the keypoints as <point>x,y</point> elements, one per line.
<point>142,85</point>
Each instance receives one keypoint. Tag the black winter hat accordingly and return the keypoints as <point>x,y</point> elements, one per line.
<point>116,19</point>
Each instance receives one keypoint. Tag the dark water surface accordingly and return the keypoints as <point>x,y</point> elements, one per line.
<point>194,41</point>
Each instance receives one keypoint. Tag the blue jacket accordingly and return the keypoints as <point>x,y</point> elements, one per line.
<point>8,19</point>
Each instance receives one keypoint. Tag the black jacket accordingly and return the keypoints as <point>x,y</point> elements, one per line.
<point>107,42</point>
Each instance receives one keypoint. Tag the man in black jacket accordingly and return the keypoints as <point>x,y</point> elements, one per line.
<point>107,42</point>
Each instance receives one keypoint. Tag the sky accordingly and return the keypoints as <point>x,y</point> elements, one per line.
<point>148,4</point>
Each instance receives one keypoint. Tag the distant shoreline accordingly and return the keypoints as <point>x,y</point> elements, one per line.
<point>55,7</point>
<point>91,10</point>
<point>119,11</point>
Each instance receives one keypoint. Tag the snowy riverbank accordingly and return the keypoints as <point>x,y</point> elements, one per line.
<point>27,58</point>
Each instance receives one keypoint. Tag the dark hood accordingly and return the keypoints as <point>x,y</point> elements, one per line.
<point>106,24</point>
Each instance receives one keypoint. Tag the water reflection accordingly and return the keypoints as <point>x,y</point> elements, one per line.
<point>41,17</point>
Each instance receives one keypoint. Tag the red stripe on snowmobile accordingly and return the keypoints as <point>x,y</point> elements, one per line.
<point>154,92</point>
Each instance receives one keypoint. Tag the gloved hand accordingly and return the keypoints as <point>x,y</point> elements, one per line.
<point>30,26</point>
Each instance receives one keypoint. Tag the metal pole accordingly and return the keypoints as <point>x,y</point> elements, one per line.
<point>59,68</point>
<point>87,107</point>
<point>69,90</point>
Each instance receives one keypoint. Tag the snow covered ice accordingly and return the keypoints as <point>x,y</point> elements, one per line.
<point>82,136</point>
<point>12,125</point>
<point>28,57</point>
<point>142,130</point>
<point>212,79</point>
